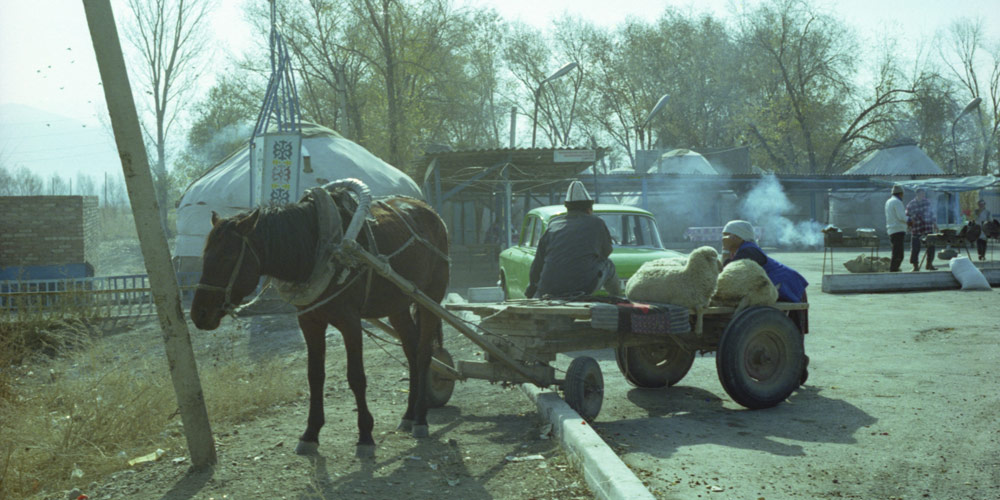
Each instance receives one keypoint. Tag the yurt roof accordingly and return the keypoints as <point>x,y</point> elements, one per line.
<point>683,161</point>
<point>902,158</point>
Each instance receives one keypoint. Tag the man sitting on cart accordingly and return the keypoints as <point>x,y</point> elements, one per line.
<point>572,256</point>
<point>738,240</point>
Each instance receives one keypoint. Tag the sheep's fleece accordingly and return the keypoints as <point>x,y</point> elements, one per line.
<point>744,283</point>
<point>688,282</point>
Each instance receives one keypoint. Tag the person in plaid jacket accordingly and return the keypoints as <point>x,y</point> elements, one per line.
<point>921,221</point>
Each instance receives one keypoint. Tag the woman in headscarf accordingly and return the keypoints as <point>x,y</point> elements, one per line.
<point>738,240</point>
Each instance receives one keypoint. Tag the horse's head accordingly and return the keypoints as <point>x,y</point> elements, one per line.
<point>231,268</point>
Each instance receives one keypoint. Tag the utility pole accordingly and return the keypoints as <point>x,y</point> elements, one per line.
<point>152,241</point>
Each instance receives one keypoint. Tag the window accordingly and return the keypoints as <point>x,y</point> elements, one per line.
<point>536,232</point>
<point>525,237</point>
<point>632,230</point>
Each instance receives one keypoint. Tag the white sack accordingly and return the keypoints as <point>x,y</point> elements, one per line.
<point>968,275</point>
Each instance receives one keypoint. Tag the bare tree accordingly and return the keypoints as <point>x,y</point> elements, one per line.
<point>963,54</point>
<point>26,183</point>
<point>171,37</point>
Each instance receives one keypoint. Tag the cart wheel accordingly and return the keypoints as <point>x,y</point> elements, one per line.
<point>760,358</point>
<point>584,387</point>
<point>654,366</point>
<point>440,386</point>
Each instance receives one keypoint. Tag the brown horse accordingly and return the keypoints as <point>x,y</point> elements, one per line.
<point>281,242</point>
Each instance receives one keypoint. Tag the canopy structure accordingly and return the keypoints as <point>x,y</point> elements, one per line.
<point>947,185</point>
<point>327,156</point>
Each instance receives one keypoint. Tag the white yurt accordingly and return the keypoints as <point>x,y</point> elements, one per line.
<point>225,188</point>
<point>903,157</point>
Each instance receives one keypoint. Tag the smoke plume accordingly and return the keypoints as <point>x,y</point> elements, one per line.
<point>766,205</point>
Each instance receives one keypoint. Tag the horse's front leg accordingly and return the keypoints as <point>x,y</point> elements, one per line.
<point>314,332</point>
<point>350,329</point>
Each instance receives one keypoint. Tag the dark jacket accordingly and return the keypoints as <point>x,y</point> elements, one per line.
<point>570,256</point>
<point>791,285</point>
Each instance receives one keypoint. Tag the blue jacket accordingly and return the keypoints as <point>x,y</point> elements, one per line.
<point>791,285</point>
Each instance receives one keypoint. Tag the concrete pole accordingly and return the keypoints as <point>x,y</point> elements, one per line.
<point>513,125</point>
<point>162,280</point>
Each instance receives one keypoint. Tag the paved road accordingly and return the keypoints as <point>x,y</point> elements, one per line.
<point>902,402</point>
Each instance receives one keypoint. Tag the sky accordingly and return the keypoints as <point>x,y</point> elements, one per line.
<point>48,61</point>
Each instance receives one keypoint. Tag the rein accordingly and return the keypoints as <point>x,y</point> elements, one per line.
<point>227,304</point>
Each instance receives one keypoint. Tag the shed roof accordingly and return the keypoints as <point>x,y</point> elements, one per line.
<point>483,168</point>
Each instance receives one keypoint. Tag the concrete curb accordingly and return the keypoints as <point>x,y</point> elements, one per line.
<point>608,477</point>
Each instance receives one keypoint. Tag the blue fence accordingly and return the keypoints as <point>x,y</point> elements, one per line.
<point>110,296</point>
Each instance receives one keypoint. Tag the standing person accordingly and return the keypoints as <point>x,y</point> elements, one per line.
<point>921,220</point>
<point>982,216</point>
<point>895,225</point>
<point>572,255</point>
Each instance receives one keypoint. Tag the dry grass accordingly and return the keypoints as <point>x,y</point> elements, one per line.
<point>93,407</point>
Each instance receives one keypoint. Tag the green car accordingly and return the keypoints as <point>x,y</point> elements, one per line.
<point>633,233</point>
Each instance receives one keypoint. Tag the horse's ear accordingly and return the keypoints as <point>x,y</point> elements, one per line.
<point>247,224</point>
<point>215,218</point>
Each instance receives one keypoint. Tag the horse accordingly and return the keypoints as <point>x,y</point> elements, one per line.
<point>282,242</point>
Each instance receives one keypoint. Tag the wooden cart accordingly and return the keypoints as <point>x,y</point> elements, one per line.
<point>760,358</point>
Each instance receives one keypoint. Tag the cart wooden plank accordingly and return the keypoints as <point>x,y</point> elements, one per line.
<point>577,310</point>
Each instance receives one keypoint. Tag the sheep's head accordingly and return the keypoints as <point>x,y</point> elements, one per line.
<point>705,258</point>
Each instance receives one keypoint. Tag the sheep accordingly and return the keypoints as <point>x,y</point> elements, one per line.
<point>688,282</point>
<point>744,283</point>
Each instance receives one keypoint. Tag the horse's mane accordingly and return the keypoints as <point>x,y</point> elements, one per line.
<point>287,234</point>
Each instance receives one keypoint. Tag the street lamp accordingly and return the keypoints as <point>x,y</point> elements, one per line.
<point>534,120</point>
<point>954,149</point>
<point>656,109</point>
<point>638,129</point>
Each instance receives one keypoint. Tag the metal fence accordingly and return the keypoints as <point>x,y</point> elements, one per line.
<point>105,296</point>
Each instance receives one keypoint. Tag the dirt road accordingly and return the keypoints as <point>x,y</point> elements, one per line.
<point>902,402</point>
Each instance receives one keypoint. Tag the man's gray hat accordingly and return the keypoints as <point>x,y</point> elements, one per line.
<point>576,192</point>
<point>897,189</point>
<point>741,229</point>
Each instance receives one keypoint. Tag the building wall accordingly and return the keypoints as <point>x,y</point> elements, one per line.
<point>47,230</point>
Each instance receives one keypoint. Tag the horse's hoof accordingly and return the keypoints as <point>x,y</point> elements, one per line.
<point>405,425</point>
<point>365,451</point>
<point>421,431</point>
<point>306,448</point>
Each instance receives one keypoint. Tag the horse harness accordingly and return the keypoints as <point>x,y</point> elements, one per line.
<point>227,305</point>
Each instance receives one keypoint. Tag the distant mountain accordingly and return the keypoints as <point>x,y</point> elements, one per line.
<point>49,143</point>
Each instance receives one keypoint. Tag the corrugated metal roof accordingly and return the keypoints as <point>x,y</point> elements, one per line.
<point>522,165</point>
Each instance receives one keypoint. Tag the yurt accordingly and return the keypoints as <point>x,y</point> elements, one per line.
<point>225,188</point>
<point>903,157</point>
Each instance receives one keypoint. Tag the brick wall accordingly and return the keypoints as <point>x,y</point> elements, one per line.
<point>47,230</point>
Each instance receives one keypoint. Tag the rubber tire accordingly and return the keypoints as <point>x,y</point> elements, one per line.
<point>760,358</point>
<point>654,366</point>
<point>440,387</point>
<point>583,389</point>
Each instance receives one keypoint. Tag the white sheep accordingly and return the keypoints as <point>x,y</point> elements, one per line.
<point>743,283</point>
<point>684,281</point>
